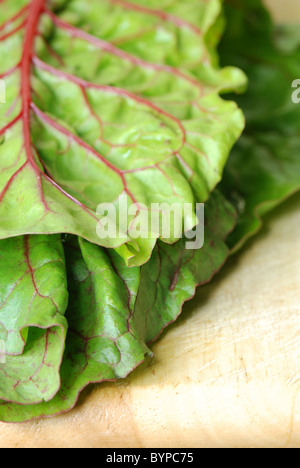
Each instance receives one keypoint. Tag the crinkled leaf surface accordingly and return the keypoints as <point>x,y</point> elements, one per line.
<point>87,121</point>
<point>114,310</point>
<point>90,117</point>
<point>264,166</point>
<point>172,274</point>
<point>33,296</point>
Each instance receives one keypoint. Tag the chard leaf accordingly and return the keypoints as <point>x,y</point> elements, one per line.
<point>114,311</point>
<point>90,118</point>
<point>33,296</point>
<point>264,166</point>
<point>173,273</point>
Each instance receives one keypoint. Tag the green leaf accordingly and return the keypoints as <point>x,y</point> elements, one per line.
<point>171,276</point>
<point>33,297</point>
<point>264,166</point>
<point>114,311</point>
<point>94,114</point>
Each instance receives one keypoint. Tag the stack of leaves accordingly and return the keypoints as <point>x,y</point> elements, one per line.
<point>112,99</point>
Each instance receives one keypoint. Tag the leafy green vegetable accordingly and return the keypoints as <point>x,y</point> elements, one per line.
<point>122,98</point>
<point>92,115</point>
<point>87,122</point>
<point>264,166</point>
<point>115,310</point>
<point>34,298</point>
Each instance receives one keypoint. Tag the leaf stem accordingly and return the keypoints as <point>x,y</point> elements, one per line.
<point>36,8</point>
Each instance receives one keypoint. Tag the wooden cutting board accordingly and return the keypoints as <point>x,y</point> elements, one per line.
<point>284,10</point>
<point>227,374</point>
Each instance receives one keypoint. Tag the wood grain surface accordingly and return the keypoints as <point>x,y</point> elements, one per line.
<point>227,374</point>
<point>285,10</point>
